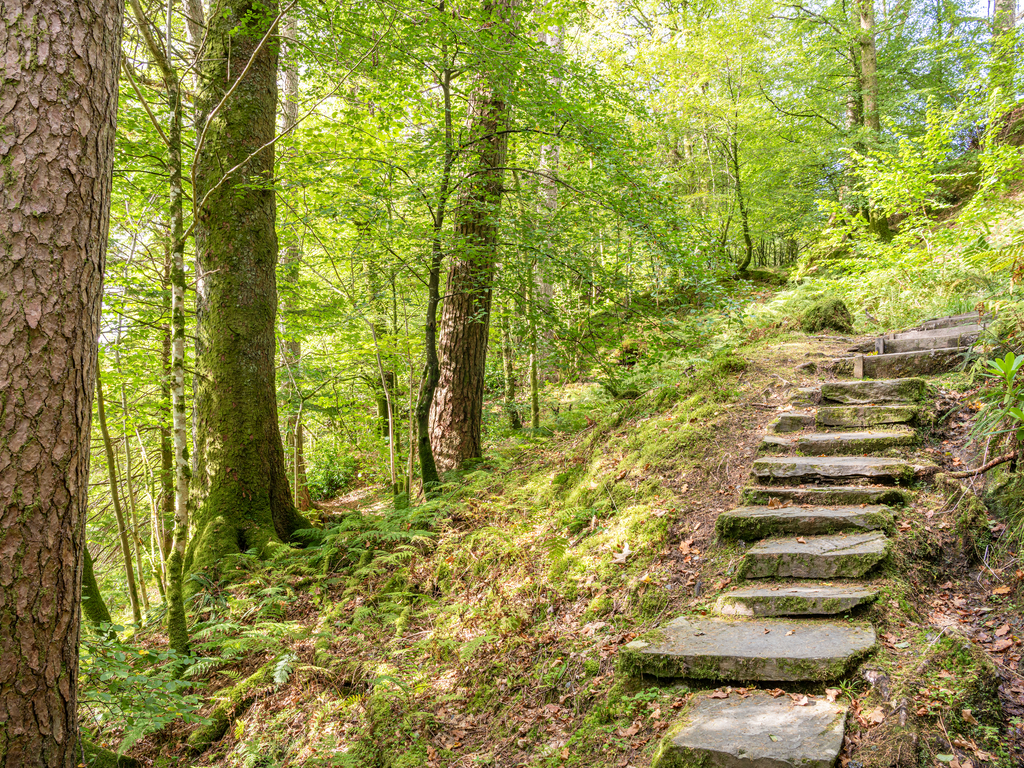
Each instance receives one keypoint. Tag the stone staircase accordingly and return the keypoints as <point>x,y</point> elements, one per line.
<point>816,515</point>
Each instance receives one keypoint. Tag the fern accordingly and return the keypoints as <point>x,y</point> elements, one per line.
<point>283,669</point>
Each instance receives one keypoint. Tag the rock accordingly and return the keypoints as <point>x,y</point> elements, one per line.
<point>827,315</point>
<point>804,469</point>
<point>758,731</point>
<point>741,649</point>
<point>925,363</point>
<point>839,494</point>
<point>792,421</point>
<point>792,600</point>
<point>865,415</point>
<point>877,391</point>
<point>928,340</point>
<point>774,444</point>
<point>752,523</point>
<point>815,557</point>
<point>806,396</point>
<point>856,443</point>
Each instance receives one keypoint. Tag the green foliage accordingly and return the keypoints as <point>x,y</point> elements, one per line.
<point>137,689</point>
<point>1002,414</point>
<point>328,474</point>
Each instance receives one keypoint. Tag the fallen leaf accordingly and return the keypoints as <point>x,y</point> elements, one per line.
<point>620,557</point>
<point>798,700</point>
<point>791,632</point>
<point>1001,591</point>
<point>876,716</point>
<point>684,546</point>
<point>968,717</point>
<point>777,692</point>
<point>773,737</point>
<point>1002,645</point>
<point>774,503</point>
<point>832,694</point>
<point>631,731</point>
<point>718,695</point>
<point>1002,630</point>
<point>801,540</point>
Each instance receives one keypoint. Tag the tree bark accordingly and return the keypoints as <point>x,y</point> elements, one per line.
<point>869,66</point>
<point>243,498</point>
<point>115,498</point>
<point>132,508</point>
<point>456,414</point>
<point>515,421</point>
<point>58,108</point>
<point>93,606</point>
<point>1004,59</point>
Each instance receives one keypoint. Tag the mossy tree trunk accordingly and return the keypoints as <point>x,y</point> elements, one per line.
<point>457,410</point>
<point>93,605</point>
<point>242,494</point>
<point>57,130</point>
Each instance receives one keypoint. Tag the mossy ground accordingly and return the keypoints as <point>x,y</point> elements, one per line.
<point>493,637</point>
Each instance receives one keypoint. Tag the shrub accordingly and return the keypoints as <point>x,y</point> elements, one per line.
<point>828,314</point>
<point>329,474</point>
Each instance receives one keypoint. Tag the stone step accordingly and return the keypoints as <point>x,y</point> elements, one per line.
<point>877,391</point>
<point>793,600</point>
<point>805,396</point>
<point>846,556</point>
<point>841,443</point>
<point>753,523</point>
<point>755,731</point>
<point>954,320</point>
<point>792,421</point>
<point>885,346</point>
<point>743,649</point>
<point>828,494</point>
<point>865,415</point>
<point>832,469</point>
<point>923,363</point>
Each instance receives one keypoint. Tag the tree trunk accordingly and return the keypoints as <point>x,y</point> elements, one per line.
<point>869,66</point>
<point>432,368</point>
<point>57,129</point>
<point>456,414</point>
<point>291,347</point>
<point>132,509</point>
<point>1004,59</point>
<point>115,498</point>
<point>515,421</point>
<point>243,499</point>
<point>93,606</point>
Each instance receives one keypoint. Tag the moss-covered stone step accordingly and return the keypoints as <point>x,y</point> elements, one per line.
<point>877,391</point>
<point>805,396</point>
<point>865,415</point>
<point>828,494</point>
<point>831,469</point>
<point>754,731</point>
<point>924,363</point>
<point>757,522</point>
<point>792,421</point>
<point>917,341</point>
<point>747,649</point>
<point>793,600</point>
<point>848,556</point>
<point>935,333</point>
<point>854,443</point>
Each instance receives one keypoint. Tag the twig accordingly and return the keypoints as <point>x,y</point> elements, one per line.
<point>986,467</point>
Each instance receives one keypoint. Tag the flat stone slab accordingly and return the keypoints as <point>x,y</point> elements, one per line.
<point>854,443</point>
<point>757,731</point>
<point>835,469</point>
<point>878,391</point>
<point>847,556</point>
<point>924,363</point>
<point>805,396</point>
<point>793,600</point>
<point>829,494</point>
<point>743,649</point>
<point>756,522</point>
<point>792,421</point>
<point>865,415</point>
<point>959,330</point>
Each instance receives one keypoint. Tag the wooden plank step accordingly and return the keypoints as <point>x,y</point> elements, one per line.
<point>923,363</point>
<point>740,649</point>
<point>842,556</point>
<point>757,522</point>
<point>884,346</point>
<point>954,320</point>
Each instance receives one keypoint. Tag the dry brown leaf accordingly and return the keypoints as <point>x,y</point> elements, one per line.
<point>718,695</point>
<point>969,717</point>
<point>1002,645</point>
<point>1002,630</point>
<point>791,632</point>
<point>684,546</point>
<point>631,731</point>
<point>774,503</point>
<point>832,694</point>
<point>876,716</point>
<point>1001,591</point>
<point>801,540</point>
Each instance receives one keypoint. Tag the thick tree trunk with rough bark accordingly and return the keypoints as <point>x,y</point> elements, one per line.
<point>243,500</point>
<point>869,66</point>
<point>58,107</point>
<point>456,414</point>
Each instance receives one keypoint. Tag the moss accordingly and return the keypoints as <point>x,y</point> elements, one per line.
<point>830,314</point>
<point>98,757</point>
<point>232,701</point>
<point>827,495</point>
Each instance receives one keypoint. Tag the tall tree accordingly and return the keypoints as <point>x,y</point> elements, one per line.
<point>456,414</point>
<point>1004,59</point>
<point>241,484</point>
<point>57,118</point>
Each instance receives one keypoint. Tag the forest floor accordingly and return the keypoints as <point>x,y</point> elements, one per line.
<point>483,630</point>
